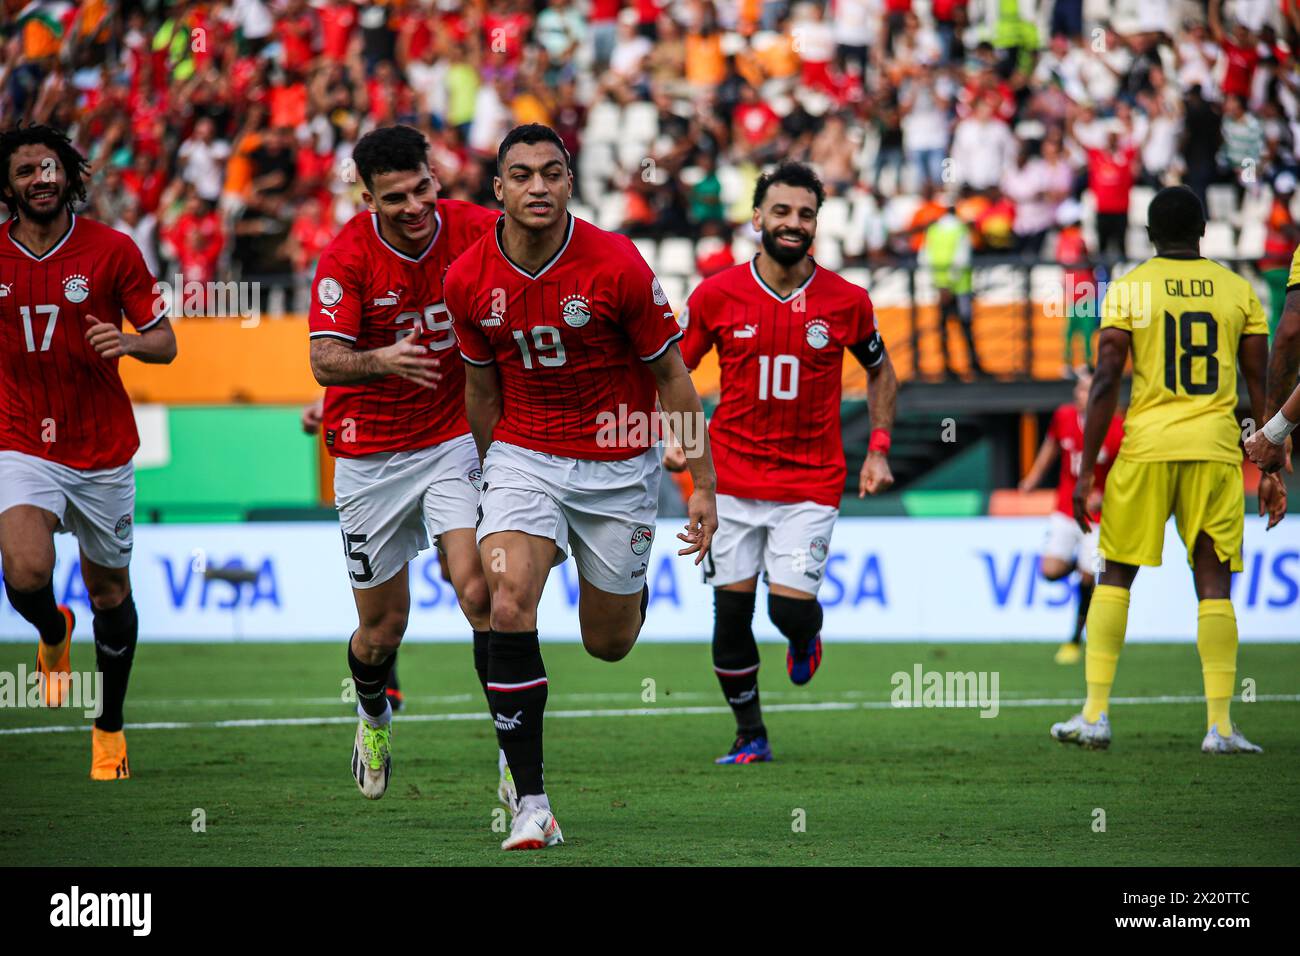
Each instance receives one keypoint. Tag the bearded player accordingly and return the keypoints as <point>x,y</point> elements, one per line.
<point>1066,547</point>
<point>407,468</point>
<point>67,431</point>
<point>1189,323</point>
<point>781,325</point>
<point>563,326</point>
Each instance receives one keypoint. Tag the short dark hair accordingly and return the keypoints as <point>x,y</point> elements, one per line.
<point>790,174</point>
<point>1175,217</point>
<point>75,167</point>
<point>390,149</point>
<point>530,134</point>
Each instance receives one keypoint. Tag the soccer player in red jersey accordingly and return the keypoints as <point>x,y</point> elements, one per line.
<point>1067,547</point>
<point>407,469</point>
<point>564,329</point>
<point>781,325</point>
<point>67,431</point>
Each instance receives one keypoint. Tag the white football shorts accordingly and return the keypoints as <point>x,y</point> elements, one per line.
<point>1065,541</point>
<point>788,541</point>
<point>602,511</point>
<point>392,503</point>
<point>97,506</point>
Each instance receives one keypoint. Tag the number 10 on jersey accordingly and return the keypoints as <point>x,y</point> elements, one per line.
<point>778,376</point>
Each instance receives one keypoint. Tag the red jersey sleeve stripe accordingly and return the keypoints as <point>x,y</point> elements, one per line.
<point>663,348</point>
<point>473,361</point>
<point>149,325</point>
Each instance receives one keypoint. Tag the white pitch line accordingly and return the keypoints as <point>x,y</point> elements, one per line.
<point>633,712</point>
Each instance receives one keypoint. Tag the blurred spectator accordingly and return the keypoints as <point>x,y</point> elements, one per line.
<point>1078,282</point>
<point>946,252</point>
<point>1038,186</point>
<point>982,147</point>
<point>1111,173</point>
<point>1280,242</point>
<point>202,158</point>
<point>1243,144</point>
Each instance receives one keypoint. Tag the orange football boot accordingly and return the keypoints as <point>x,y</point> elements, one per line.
<point>108,755</point>
<point>54,661</point>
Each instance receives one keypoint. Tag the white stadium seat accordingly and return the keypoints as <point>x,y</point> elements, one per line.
<point>675,288</point>
<point>1250,244</point>
<point>1139,198</point>
<point>828,252</point>
<point>676,257</point>
<point>1218,242</point>
<point>834,218</point>
<point>640,122</point>
<point>649,252</point>
<point>602,124</point>
<point>1221,203</point>
<point>611,210</point>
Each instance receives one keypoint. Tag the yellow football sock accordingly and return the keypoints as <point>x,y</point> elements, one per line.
<point>1216,642</point>
<point>1107,622</point>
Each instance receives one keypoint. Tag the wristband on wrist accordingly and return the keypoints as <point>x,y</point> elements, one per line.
<point>879,441</point>
<point>1277,428</point>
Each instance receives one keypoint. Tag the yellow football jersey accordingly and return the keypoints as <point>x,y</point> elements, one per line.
<point>1293,280</point>
<point>1187,317</point>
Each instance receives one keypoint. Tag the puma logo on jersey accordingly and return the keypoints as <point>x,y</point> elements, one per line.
<point>5,289</point>
<point>390,299</point>
<point>509,723</point>
<point>493,320</point>
<point>748,332</point>
<point>329,314</point>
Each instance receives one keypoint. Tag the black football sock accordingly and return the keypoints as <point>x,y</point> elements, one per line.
<point>369,681</point>
<point>116,631</point>
<point>39,609</point>
<point>798,619</point>
<point>481,641</point>
<point>517,695</point>
<point>392,683</point>
<point>1081,613</point>
<point>735,658</point>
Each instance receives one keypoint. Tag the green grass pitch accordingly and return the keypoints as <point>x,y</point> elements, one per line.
<point>857,782</point>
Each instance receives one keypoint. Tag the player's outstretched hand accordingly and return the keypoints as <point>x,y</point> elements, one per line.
<point>702,522</point>
<point>106,339</point>
<point>674,457</point>
<point>875,476</point>
<point>1272,499</point>
<point>412,362</point>
<point>1082,494</point>
<point>1266,455</point>
<point>313,415</point>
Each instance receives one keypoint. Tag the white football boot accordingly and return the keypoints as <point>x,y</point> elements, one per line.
<point>1234,743</point>
<point>534,828</point>
<point>372,760</point>
<point>1089,735</point>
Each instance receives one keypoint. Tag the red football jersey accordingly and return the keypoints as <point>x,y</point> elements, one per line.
<point>1067,429</point>
<point>571,342</point>
<point>776,431</point>
<point>369,295</point>
<point>60,399</point>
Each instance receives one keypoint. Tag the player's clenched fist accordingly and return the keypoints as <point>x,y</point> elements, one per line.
<point>1082,498</point>
<point>1267,455</point>
<point>702,523</point>
<point>107,339</point>
<point>411,362</point>
<point>876,476</point>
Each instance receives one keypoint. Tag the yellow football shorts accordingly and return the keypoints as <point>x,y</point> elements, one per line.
<point>1141,495</point>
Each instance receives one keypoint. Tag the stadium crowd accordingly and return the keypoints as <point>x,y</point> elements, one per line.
<point>219,133</point>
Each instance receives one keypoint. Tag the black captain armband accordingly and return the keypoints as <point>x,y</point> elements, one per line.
<point>870,351</point>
